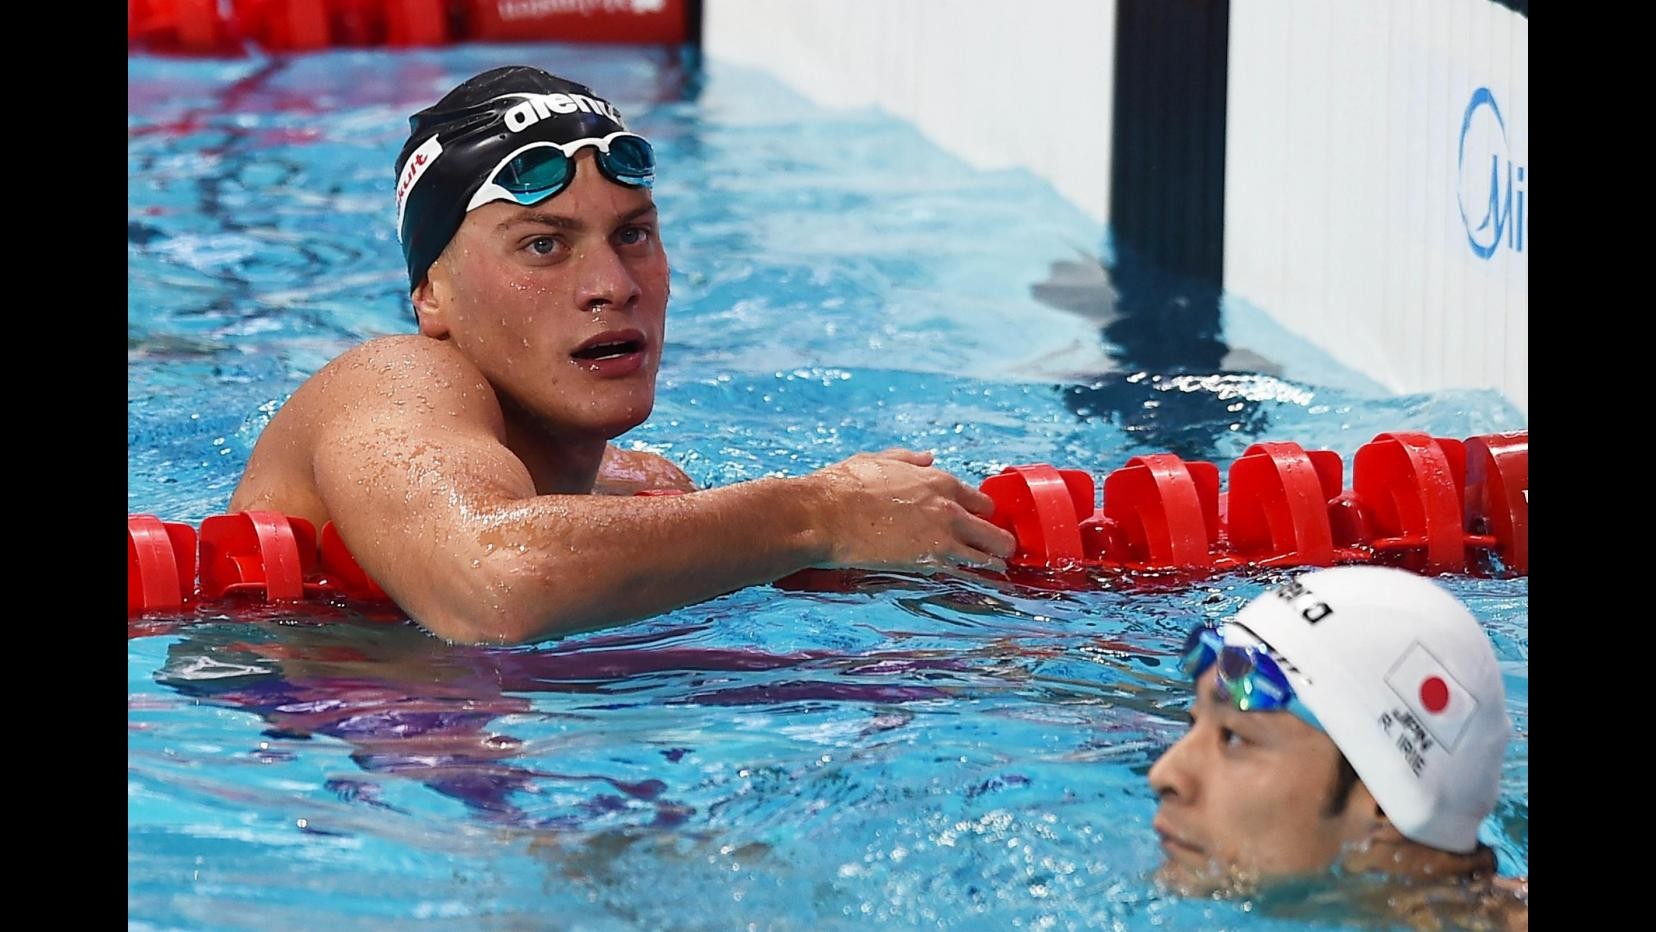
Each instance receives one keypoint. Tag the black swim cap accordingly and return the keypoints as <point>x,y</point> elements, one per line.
<point>455,142</point>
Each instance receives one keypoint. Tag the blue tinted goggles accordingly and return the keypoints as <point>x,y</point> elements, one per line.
<point>541,169</point>
<point>1249,677</point>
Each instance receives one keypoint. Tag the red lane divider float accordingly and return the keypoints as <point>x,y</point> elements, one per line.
<point>212,27</point>
<point>1497,494</point>
<point>257,553</point>
<point>342,568</point>
<point>1163,513</point>
<point>1044,508</point>
<point>1279,506</point>
<point>1429,504</point>
<point>250,555</point>
<point>161,567</point>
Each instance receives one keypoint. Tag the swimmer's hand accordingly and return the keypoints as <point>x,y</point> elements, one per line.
<point>895,511</point>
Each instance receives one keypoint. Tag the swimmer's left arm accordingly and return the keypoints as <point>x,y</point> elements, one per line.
<point>626,472</point>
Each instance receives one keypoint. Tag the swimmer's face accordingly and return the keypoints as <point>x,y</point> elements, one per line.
<point>1245,796</point>
<point>524,293</point>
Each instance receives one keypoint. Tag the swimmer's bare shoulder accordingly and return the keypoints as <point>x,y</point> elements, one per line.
<point>404,443</point>
<point>390,373</point>
<point>376,382</point>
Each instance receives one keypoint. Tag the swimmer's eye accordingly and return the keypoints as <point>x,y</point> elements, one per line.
<point>543,245</point>
<point>1230,738</point>
<point>634,236</point>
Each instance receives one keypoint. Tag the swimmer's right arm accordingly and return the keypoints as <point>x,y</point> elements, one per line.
<point>482,561</point>
<point>445,518</point>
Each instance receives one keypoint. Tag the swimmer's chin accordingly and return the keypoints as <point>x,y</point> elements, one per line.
<point>1215,881</point>
<point>1208,879</point>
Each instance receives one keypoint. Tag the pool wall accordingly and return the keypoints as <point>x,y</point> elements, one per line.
<point>1357,169</point>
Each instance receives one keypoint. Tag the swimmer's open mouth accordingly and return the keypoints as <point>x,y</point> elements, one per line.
<point>610,345</point>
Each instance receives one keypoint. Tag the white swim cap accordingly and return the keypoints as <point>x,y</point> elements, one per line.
<point>1406,684</point>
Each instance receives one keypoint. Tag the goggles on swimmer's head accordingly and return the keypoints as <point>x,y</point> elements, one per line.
<point>1250,679</point>
<point>539,170</point>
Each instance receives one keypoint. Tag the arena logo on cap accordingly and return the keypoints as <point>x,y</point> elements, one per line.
<point>537,107</point>
<point>417,165</point>
<point>1436,700</point>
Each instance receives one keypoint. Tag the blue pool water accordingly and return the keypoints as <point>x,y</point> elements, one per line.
<point>917,752</point>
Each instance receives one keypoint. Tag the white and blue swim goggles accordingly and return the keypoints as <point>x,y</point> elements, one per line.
<point>1250,678</point>
<point>539,170</point>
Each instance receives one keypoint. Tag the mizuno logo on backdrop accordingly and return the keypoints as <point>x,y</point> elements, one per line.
<point>1491,185</point>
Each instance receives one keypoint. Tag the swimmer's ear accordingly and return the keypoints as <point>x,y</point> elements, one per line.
<point>428,305</point>
<point>1383,829</point>
<point>1370,841</point>
<point>1366,820</point>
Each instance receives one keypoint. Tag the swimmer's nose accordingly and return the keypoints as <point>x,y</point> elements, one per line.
<point>605,280</point>
<point>1170,777</point>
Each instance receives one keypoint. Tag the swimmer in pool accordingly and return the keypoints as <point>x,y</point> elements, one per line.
<point>1349,726</point>
<point>468,467</point>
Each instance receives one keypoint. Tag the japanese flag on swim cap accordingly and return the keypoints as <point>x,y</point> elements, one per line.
<point>1405,683</point>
